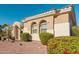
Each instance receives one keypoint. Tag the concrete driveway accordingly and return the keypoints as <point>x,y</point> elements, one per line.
<point>18,47</point>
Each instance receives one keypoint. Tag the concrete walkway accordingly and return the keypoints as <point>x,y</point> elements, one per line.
<point>19,47</point>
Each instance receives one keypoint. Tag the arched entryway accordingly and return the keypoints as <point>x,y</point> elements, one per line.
<point>34,31</point>
<point>17,28</point>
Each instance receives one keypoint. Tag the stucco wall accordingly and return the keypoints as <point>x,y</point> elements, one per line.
<point>48,19</point>
<point>62,25</point>
<point>62,29</point>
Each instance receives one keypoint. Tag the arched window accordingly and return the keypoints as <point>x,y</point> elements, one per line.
<point>34,28</point>
<point>43,26</point>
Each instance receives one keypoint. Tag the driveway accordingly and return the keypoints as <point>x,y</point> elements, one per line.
<point>19,47</point>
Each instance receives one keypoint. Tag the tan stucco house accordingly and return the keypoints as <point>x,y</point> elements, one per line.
<point>57,22</point>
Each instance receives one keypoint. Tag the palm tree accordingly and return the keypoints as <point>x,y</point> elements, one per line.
<point>4,25</point>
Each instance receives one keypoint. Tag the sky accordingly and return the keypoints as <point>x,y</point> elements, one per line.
<point>10,13</point>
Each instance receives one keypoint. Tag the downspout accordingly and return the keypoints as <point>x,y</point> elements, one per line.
<point>53,25</point>
<point>54,22</point>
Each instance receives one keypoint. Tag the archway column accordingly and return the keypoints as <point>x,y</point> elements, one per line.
<point>16,32</point>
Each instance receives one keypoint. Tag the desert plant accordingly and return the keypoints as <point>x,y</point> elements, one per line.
<point>63,45</point>
<point>4,38</point>
<point>12,39</point>
<point>20,44</point>
<point>0,38</point>
<point>44,37</point>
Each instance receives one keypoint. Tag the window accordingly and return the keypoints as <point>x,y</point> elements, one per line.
<point>43,26</point>
<point>34,28</point>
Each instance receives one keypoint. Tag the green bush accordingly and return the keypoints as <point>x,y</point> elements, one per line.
<point>25,37</point>
<point>2,34</point>
<point>75,30</point>
<point>44,37</point>
<point>63,45</point>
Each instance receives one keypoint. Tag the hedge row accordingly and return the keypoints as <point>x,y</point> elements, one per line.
<point>75,31</point>
<point>63,45</point>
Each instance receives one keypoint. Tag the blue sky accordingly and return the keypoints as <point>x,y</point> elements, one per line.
<point>9,13</point>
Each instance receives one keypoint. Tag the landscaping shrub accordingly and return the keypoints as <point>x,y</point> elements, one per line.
<point>0,38</point>
<point>44,37</point>
<point>75,31</point>
<point>12,39</point>
<point>63,45</point>
<point>25,37</point>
